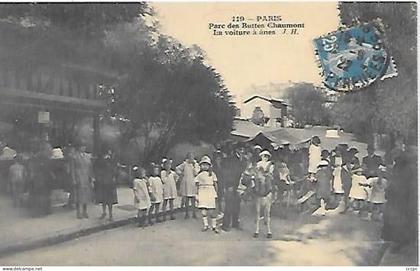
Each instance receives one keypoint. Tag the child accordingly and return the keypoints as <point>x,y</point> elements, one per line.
<point>282,174</point>
<point>247,178</point>
<point>357,192</point>
<point>188,170</point>
<point>263,191</point>
<point>141,195</point>
<point>156,187</point>
<point>206,182</point>
<point>314,156</point>
<point>337,182</point>
<point>265,162</point>
<point>377,198</point>
<point>325,155</point>
<point>17,177</point>
<point>323,184</point>
<point>169,179</point>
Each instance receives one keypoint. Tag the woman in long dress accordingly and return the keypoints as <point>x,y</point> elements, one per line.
<point>188,170</point>
<point>40,183</point>
<point>106,184</point>
<point>83,177</point>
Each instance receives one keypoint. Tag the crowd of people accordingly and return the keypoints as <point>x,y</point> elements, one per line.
<point>33,178</point>
<point>217,183</point>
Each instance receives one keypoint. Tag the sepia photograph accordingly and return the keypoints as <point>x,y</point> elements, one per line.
<point>208,134</point>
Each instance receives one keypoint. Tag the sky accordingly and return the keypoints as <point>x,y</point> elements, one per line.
<point>244,61</point>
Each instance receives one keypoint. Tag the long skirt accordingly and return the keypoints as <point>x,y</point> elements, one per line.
<point>83,193</point>
<point>106,193</point>
<point>40,202</point>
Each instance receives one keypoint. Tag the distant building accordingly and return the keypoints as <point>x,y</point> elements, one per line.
<point>275,110</point>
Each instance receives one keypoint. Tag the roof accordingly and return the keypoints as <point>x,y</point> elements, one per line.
<point>277,103</point>
<point>247,131</point>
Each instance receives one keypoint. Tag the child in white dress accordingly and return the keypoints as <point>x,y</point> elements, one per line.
<point>169,179</point>
<point>206,182</point>
<point>141,195</point>
<point>337,184</point>
<point>358,192</point>
<point>156,187</point>
<point>377,198</point>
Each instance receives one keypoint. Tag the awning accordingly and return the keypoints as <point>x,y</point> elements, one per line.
<point>42,100</point>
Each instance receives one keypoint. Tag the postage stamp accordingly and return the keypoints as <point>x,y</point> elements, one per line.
<point>355,57</point>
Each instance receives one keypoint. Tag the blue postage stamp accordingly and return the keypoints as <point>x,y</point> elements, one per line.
<point>354,57</point>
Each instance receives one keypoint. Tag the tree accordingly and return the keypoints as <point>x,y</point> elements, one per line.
<point>258,116</point>
<point>307,105</point>
<point>160,91</point>
<point>389,106</point>
<point>166,91</point>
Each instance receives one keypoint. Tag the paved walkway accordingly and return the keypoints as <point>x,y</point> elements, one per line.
<point>301,240</point>
<point>356,240</point>
<point>17,227</point>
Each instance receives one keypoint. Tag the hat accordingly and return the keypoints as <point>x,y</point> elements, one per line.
<point>353,149</point>
<point>135,168</point>
<point>57,153</point>
<point>323,163</point>
<point>206,160</point>
<point>265,152</point>
<point>257,147</point>
<point>166,160</point>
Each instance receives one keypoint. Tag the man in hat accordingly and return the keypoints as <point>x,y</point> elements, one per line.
<point>371,163</point>
<point>233,168</point>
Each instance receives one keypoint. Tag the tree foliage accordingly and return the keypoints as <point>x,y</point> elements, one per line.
<point>258,116</point>
<point>307,105</point>
<point>167,91</point>
<point>388,106</point>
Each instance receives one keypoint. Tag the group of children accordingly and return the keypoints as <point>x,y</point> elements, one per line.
<point>150,193</point>
<point>153,194</point>
<point>354,186</point>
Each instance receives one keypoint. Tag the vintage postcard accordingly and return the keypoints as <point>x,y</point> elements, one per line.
<point>208,134</point>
